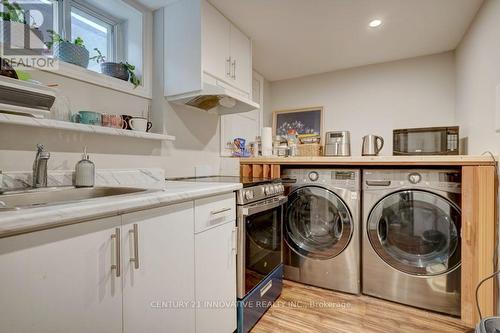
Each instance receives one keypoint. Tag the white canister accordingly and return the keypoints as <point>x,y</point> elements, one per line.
<point>267,141</point>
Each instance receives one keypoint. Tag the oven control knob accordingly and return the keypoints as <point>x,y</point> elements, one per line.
<point>313,176</point>
<point>415,178</point>
<point>277,189</point>
<point>249,195</point>
<point>269,190</point>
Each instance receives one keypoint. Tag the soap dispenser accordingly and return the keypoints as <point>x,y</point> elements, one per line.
<point>85,171</point>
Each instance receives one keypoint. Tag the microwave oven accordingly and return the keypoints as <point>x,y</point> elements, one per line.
<point>426,141</point>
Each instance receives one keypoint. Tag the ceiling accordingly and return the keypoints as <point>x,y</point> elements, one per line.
<point>293,38</point>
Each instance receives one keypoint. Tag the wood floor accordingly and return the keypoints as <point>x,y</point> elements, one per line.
<point>304,309</point>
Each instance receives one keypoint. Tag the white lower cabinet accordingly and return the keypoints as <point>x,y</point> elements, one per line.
<point>60,280</point>
<point>215,253</point>
<point>158,270</point>
<point>140,272</point>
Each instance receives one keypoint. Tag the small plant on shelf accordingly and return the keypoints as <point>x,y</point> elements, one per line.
<point>122,70</point>
<point>73,52</point>
<point>13,12</point>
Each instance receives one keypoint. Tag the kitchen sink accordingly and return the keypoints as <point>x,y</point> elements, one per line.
<point>59,195</point>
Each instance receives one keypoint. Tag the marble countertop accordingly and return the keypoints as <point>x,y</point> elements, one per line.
<point>46,217</point>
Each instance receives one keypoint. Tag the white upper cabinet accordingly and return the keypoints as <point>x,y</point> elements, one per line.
<point>241,60</point>
<point>216,47</point>
<point>202,46</point>
<point>227,52</point>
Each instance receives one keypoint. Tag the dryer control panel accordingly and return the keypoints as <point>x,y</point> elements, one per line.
<point>442,180</point>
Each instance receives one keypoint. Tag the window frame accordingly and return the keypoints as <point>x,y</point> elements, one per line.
<point>115,42</point>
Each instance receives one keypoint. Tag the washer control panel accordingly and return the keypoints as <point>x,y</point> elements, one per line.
<point>342,178</point>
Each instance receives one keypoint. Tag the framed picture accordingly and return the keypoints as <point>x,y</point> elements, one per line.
<point>308,121</point>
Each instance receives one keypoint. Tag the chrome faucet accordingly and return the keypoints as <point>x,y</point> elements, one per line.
<point>40,167</point>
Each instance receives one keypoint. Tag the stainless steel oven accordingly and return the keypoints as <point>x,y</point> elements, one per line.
<point>426,141</point>
<point>260,235</point>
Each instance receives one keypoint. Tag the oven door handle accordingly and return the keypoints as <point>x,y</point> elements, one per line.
<point>248,211</point>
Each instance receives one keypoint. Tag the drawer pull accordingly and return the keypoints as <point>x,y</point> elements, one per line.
<point>220,211</point>
<point>266,288</point>
<point>378,182</point>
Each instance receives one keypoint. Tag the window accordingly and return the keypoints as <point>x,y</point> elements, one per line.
<point>120,29</point>
<point>96,32</point>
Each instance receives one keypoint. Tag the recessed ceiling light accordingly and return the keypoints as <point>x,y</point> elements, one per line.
<point>375,23</point>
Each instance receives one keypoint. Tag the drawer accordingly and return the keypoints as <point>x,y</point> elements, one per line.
<point>212,211</point>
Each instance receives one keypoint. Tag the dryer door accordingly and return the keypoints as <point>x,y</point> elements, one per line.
<point>416,232</point>
<point>318,223</point>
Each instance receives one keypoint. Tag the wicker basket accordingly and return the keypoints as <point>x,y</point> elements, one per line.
<point>74,54</point>
<point>310,149</point>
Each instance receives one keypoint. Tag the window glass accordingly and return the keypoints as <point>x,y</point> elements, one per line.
<point>95,32</point>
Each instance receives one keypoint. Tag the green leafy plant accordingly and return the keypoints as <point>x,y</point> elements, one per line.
<point>13,12</point>
<point>133,78</point>
<point>99,58</point>
<point>56,38</point>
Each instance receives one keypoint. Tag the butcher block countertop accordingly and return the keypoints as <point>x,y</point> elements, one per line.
<point>456,160</point>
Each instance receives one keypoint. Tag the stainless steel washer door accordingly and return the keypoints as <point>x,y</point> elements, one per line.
<point>416,232</point>
<point>318,223</point>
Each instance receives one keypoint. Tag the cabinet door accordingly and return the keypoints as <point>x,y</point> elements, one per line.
<point>158,290</point>
<point>241,60</point>
<point>245,125</point>
<point>215,251</point>
<point>215,42</point>
<point>61,280</point>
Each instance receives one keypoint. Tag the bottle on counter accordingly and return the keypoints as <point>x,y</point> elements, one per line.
<point>293,141</point>
<point>85,171</point>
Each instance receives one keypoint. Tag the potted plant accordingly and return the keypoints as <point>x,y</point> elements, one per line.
<point>73,52</point>
<point>122,71</point>
<point>15,25</point>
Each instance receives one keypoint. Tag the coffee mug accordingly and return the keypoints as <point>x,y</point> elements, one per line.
<point>87,117</point>
<point>140,124</point>
<point>114,121</point>
<point>126,119</point>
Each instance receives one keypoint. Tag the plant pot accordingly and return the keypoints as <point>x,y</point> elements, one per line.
<point>116,70</point>
<point>74,54</point>
<point>15,33</point>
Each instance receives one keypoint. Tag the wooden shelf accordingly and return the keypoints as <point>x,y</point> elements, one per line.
<point>64,125</point>
<point>455,160</point>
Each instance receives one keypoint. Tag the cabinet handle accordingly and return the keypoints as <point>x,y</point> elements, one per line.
<point>235,240</point>
<point>117,264</point>
<point>228,67</point>
<point>220,211</point>
<point>234,70</point>
<point>135,234</point>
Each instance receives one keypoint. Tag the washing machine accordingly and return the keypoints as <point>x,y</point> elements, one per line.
<point>321,228</point>
<point>411,237</point>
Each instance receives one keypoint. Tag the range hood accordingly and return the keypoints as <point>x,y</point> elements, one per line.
<point>217,97</point>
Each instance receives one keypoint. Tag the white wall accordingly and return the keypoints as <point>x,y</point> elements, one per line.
<point>478,73</point>
<point>197,135</point>
<point>376,99</point>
